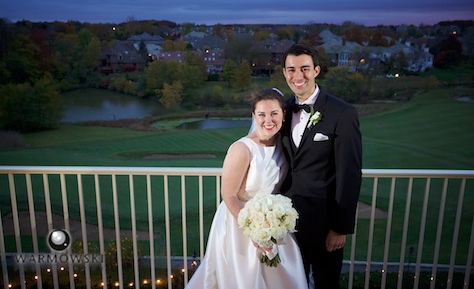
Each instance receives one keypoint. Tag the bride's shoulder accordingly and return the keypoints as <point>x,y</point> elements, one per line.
<point>239,146</point>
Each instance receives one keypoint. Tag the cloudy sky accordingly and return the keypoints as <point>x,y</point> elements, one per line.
<point>210,12</point>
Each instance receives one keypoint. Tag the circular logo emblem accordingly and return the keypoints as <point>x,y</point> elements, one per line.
<point>59,240</point>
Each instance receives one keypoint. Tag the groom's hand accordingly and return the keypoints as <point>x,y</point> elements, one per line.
<point>335,241</point>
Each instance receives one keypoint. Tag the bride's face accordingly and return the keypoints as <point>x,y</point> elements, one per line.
<point>269,118</point>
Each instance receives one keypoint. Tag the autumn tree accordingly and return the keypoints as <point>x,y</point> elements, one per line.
<point>87,51</point>
<point>349,86</point>
<point>243,77</point>
<point>26,107</point>
<point>171,94</point>
<point>167,45</point>
<point>79,56</point>
<point>194,72</point>
<point>286,32</point>
<point>239,49</point>
<point>277,79</point>
<point>157,73</point>
<point>449,53</point>
<point>378,39</point>
<point>22,60</point>
<point>229,71</point>
<point>312,39</point>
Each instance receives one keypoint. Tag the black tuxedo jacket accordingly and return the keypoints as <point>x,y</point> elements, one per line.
<point>326,167</point>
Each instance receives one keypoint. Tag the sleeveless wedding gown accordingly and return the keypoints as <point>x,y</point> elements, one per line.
<point>231,260</point>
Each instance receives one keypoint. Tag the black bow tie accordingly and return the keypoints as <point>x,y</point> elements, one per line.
<point>297,107</point>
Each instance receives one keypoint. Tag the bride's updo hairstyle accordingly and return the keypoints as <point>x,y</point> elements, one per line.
<point>266,94</point>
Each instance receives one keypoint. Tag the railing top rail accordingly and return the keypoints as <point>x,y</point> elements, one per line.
<point>112,170</point>
<point>217,171</point>
<point>421,173</point>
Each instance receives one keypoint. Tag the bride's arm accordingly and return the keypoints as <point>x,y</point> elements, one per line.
<point>234,172</point>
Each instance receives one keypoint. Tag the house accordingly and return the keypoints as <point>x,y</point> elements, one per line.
<point>153,43</point>
<point>358,57</point>
<point>194,36</point>
<point>214,60</point>
<point>209,43</point>
<point>269,54</point>
<point>178,56</point>
<point>121,57</point>
<point>340,51</point>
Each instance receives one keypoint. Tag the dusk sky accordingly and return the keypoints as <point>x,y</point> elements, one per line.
<point>210,12</point>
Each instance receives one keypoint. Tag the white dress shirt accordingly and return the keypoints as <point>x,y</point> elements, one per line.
<point>300,119</point>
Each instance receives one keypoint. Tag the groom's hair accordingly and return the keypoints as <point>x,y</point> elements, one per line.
<point>266,94</point>
<point>300,49</point>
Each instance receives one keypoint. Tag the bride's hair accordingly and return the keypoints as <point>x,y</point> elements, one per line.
<point>266,94</point>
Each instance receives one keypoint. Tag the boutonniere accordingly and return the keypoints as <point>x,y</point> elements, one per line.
<point>314,118</point>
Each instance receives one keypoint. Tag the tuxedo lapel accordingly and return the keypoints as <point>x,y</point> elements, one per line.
<point>288,142</point>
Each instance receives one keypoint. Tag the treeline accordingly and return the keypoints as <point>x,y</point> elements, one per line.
<point>39,60</point>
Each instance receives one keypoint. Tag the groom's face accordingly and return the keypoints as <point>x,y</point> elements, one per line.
<point>300,74</point>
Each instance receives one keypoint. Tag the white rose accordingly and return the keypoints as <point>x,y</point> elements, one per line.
<point>259,217</point>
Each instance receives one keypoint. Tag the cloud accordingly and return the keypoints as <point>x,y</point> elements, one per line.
<point>367,12</point>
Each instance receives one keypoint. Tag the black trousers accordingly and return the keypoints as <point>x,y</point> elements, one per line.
<point>312,229</point>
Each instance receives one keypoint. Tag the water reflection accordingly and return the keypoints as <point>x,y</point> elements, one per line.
<point>97,104</point>
<point>215,123</point>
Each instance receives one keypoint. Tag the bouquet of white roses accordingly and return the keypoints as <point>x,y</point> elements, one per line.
<point>266,220</point>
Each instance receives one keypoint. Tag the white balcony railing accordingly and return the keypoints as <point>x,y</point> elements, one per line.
<point>141,227</point>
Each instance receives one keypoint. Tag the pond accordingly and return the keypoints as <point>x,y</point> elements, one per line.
<point>98,104</point>
<point>215,123</point>
<point>91,104</point>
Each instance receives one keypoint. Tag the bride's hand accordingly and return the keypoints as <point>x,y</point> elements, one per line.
<point>264,250</point>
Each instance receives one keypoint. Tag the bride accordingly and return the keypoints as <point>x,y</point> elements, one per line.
<point>254,164</point>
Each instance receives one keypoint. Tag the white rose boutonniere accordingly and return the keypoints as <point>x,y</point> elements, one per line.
<point>314,118</point>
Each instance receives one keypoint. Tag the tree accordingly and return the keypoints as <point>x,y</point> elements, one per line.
<point>157,73</point>
<point>87,52</point>
<point>26,108</point>
<point>449,53</point>
<point>229,70</point>
<point>243,77</point>
<point>22,60</point>
<point>378,39</point>
<point>323,59</point>
<point>349,86</point>
<point>277,79</point>
<point>143,50</point>
<point>239,49</point>
<point>171,94</point>
<point>167,45</point>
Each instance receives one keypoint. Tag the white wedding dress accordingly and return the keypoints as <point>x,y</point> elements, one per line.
<point>231,260</point>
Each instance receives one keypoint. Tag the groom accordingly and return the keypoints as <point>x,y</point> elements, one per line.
<point>322,142</point>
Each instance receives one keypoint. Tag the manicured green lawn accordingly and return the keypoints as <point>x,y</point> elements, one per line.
<point>433,131</point>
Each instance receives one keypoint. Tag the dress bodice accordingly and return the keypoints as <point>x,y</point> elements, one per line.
<point>267,168</point>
